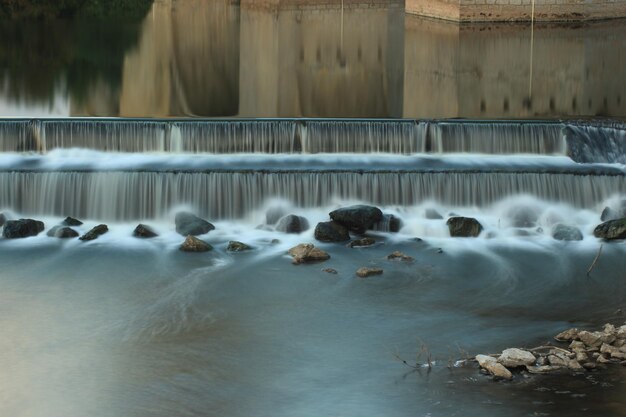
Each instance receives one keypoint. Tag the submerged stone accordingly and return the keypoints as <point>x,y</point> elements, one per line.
<point>190,224</point>
<point>397,255</point>
<point>364,242</point>
<point>193,244</point>
<point>331,232</point>
<point>368,272</point>
<point>464,227</point>
<point>99,230</point>
<point>432,214</point>
<point>358,218</point>
<point>15,229</point>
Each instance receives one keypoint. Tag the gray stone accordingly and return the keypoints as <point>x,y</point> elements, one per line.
<point>389,223</point>
<point>611,230</point>
<point>567,335</point>
<point>564,232</point>
<point>368,272</point>
<point>512,358</point>
<point>15,229</point>
<point>491,365</point>
<point>143,231</point>
<point>331,232</point>
<point>464,227</point>
<point>591,339</point>
<point>3,219</point>
<point>94,233</point>
<point>307,253</point>
<point>358,218</point>
<point>433,214</point>
<point>292,224</point>
<point>190,224</point>
<point>193,244</point>
<point>62,232</point>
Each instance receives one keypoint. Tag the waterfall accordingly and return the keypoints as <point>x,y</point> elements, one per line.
<point>231,195</point>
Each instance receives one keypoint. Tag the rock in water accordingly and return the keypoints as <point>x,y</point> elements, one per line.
<point>190,224</point>
<point>193,244</point>
<point>14,229</point>
<point>366,241</point>
<point>493,367</point>
<point>70,221</point>
<point>292,224</point>
<point>357,218</point>
<point>95,232</point>
<point>397,255</point>
<point>331,232</point>
<point>62,232</point>
<point>307,252</point>
<point>368,272</point>
<point>432,214</point>
<point>563,232</point>
<point>274,214</point>
<point>611,230</point>
<point>3,219</point>
<point>389,223</point>
<point>330,271</point>
<point>234,246</point>
<point>464,227</point>
<point>512,358</point>
<point>144,231</point>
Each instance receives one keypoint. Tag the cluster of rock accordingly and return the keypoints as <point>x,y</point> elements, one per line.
<point>586,351</point>
<point>356,219</point>
<point>187,224</point>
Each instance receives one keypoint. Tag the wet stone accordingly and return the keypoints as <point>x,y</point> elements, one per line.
<point>15,229</point>
<point>235,246</point>
<point>358,218</point>
<point>399,256</point>
<point>331,232</point>
<point>464,227</point>
<point>193,244</point>
<point>190,224</point>
<point>70,221</point>
<point>307,253</point>
<point>94,233</point>
<point>368,272</point>
<point>359,243</point>
<point>143,231</point>
<point>330,271</point>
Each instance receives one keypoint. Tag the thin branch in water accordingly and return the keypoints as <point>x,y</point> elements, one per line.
<point>593,264</point>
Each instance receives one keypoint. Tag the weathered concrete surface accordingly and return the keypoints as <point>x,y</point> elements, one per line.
<point>517,10</point>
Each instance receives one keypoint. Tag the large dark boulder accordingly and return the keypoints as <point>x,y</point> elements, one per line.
<point>14,229</point>
<point>357,218</point>
<point>144,232</point>
<point>62,232</point>
<point>292,224</point>
<point>464,227</point>
<point>331,232</point>
<point>611,230</point>
<point>564,232</point>
<point>94,233</point>
<point>190,224</point>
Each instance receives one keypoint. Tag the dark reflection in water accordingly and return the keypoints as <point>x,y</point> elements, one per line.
<point>215,58</point>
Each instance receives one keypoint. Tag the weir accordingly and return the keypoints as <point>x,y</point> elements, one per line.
<point>226,169</point>
<point>588,142</point>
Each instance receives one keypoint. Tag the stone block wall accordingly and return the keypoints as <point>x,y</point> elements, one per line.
<point>517,10</point>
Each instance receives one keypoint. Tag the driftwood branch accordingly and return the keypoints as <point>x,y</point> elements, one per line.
<point>593,264</point>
